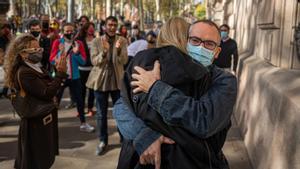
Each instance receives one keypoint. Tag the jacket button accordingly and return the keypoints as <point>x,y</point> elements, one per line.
<point>135,99</point>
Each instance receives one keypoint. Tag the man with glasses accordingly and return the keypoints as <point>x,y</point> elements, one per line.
<point>229,50</point>
<point>207,118</point>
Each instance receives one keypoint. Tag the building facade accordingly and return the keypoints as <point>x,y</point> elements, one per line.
<point>268,105</point>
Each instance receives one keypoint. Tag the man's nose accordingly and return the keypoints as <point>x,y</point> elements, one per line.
<point>201,44</point>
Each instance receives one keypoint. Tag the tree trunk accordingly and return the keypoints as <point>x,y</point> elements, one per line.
<point>108,8</point>
<point>141,12</point>
<point>157,12</point>
<point>92,9</point>
<point>121,7</point>
<point>70,11</point>
<point>80,8</point>
<point>171,8</point>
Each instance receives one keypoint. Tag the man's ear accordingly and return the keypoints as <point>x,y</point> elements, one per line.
<point>217,52</point>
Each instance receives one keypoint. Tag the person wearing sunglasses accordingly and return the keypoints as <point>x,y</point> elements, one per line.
<point>38,135</point>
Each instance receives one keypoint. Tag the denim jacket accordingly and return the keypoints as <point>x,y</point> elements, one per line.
<point>204,117</point>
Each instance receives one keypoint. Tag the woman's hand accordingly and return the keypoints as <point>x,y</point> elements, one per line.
<point>145,79</point>
<point>61,64</point>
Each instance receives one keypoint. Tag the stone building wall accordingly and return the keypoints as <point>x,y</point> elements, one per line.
<point>268,105</point>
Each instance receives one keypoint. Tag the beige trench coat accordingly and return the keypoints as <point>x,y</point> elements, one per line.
<point>96,77</point>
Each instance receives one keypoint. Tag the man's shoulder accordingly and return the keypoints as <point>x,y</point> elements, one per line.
<point>220,74</point>
<point>120,37</point>
<point>232,41</point>
<point>80,42</point>
<point>97,39</point>
<point>45,40</point>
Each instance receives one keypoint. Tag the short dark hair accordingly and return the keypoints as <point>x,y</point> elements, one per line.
<point>135,27</point>
<point>111,18</point>
<point>151,33</point>
<point>209,22</point>
<point>226,26</point>
<point>85,17</point>
<point>46,15</point>
<point>33,22</point>
<point>68,24</point>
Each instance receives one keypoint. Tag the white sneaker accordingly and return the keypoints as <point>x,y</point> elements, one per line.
<point>85,127</point>
<point>100,148</point>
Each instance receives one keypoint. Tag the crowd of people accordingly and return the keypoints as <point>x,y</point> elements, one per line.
<point>172,88</point>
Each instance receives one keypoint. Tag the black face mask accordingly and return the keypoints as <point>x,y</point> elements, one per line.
<point>68,36</point>
<point>45,25</point>
<point>35,33</point>
<point>35,57</point>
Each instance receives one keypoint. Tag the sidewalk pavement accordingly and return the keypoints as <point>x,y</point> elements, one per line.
<point>77,149</point>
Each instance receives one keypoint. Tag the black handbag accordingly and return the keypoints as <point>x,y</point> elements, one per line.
<point>27,106</point>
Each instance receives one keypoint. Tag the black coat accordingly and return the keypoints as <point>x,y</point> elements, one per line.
<point>46,45</point>
<point>179,71</point>
<point>38,136</point>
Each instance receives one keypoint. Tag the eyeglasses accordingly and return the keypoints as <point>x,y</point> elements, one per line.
<point>33,50</point>
<point>208,44</point>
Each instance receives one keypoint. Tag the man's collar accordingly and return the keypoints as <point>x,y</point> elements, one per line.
<point>225,40</point>
<point>38,38</point>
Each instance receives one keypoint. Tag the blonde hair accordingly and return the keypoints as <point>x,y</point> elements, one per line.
<point>13,59</point>
<point>174,32</point>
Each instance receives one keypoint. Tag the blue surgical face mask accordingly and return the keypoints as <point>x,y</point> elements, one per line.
<point>201,54</point>
<point>224,34</point>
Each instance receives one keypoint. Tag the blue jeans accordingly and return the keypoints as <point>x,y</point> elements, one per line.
<point>101,116</point>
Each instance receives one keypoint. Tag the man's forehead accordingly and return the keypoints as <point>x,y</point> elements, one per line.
<point>68,28</point>
<point>35,27</point>
<point>224,28</point>
<point>204,31</point>
<point>45,17</point>
<point>112,22</point>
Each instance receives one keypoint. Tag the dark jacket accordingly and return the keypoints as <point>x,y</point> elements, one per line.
<point>192,79</point>
<point>45,43</point>
<point>38,136</point>
<point>229,48</point>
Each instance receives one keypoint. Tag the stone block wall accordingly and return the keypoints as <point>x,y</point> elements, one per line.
<point>268,105</point>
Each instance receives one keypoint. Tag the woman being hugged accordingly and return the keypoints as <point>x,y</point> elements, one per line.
<point>38,135</point>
